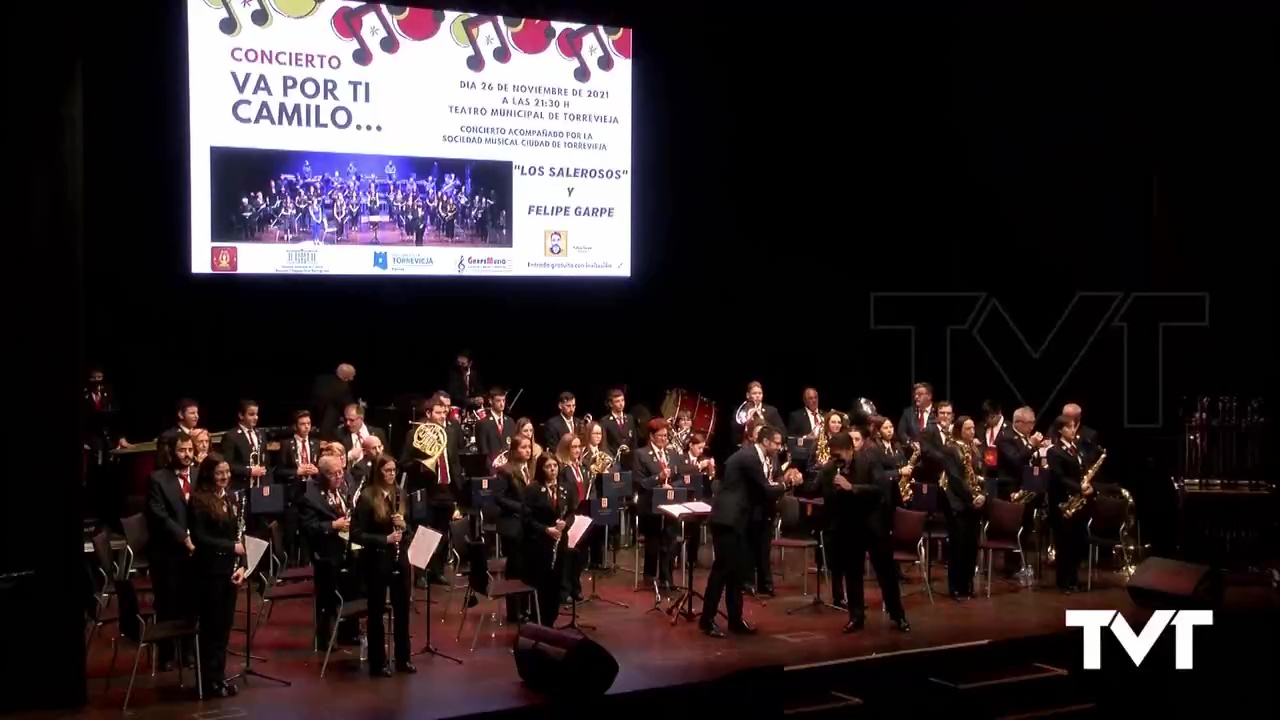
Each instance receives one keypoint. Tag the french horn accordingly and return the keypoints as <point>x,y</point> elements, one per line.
<point>430,440</point>
<point>746,411</point>
<point>500,460</point>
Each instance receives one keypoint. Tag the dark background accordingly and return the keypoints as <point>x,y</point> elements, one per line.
<point>238,171</point>
<point>786,167</point>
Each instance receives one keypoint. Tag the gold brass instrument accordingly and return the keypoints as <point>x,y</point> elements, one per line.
<point>601,461</point>
<point>1074,504</point>
<point>500,460</point>
<point>746,412</point>
<point>430,440</point>
<point>255,460</point>
<point>971,479</point>
<point>821,452</point>
<point>904,482</point>
<point>1022,497</point>
<point>1131,547</point>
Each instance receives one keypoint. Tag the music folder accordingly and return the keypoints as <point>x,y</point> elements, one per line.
<point>673,495</point>
<point>616,485</point>
<point>799,447</point>
<point>266,500</point>
<point>605,510</point>
<point>485,489</point>
<point>691,482</point>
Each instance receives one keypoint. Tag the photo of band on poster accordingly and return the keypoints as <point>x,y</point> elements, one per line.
<point>360,139</point>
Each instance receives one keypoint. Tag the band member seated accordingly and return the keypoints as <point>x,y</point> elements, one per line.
<point>807,421</point>
<point>655,464</point>
<point>546,535</point>
<point>245,448</point>
<point>379,527</point>
<point>964,465</point>
<point>564,423</point>
<point>919,417</point>
<point>354,431</point>
<point>692,462</point>
<point>201,443</point>
<point>493,434</point>
<point>325,512</point>
<point>169,547</point>
<point>575,484</point>
<point>515,476</point>
<point>188,412</point>
<point>218,568</point>
<point>440,479</point>
<point>524,428</point>
<point>746,485</point>
<point>295,466</point>
<point>1070,535</point>
<point>620,427</point>
<point>370,448</point>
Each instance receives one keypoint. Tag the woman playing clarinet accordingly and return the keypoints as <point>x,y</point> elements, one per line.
<point>546,536</point>
<point>217,531</point>
<point>576,484</point>
<point>513,478</point>
<point>378,526</point>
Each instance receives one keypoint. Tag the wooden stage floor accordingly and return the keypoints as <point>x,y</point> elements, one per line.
<point>649,650</point>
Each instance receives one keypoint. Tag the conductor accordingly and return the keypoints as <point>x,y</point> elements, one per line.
<point>747,485</point>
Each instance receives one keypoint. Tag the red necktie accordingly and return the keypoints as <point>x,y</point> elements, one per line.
<point>499,426</point>
<point>662,459</point>
<point>921,419</point>
<point>184,478</point>
<point>306,459</point>
<point>97,401</point>
<point>577,474</point>
<point>1072,450</point>
<point>443,465</point>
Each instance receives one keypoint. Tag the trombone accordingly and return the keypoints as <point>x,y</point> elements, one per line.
<point>255,460</point>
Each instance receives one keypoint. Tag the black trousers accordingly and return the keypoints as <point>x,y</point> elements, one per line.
<point>962,537</point>
<point>330,580</point>
<point>439,517</point>
<point>1071,542</point>
<point>513,551</point>
<point>379,584</point>
<point>171,593</point>
<point>575,561</point>
<point>726,577</point>
<point>660,543</point>
<point>216,607</point>
<point>760,553</point>
<point>862,540</point>
<point>546,580</point>
<point>295,541</point>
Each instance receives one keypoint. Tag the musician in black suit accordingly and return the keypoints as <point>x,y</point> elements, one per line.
<point>575,484</point>
<point>354,431</point>
<point>513,479</point>
<point>745,485</point>
<point>756,409</point>
<point>1017,447</point>
<point>440,479</point>
<point>963,461</point>
<point>169,546</point>
<point>564,423</point>
<point>378,525</point>
<point>654,466</point>
<point>325,512</point>
<point>1070,535</point>
<point>464,381</point>
<point>934,444</point>
<point>188,412</point>
<point>702,470</point>
<point>1086,439</point>
<point>808,420</point>
<point>295,465</point>
<point>919,416</point>
<point>620,427</point>
<point>860,491</point>
<point>245,448</point>
<point>494,433</point>
<point>330,395</point>
<point>546,535</point>
<point>218,567</point>
<point>370,448</point>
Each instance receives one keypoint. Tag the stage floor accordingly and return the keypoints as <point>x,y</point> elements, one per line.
<point>649,650</point>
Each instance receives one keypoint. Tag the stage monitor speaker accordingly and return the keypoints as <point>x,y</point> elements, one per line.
<point>1166,584</point>
<point>557,663</point>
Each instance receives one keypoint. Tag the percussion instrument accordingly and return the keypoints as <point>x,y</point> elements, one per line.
<point>701,410</point>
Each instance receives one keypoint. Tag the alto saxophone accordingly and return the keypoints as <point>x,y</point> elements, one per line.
<point>1076,503</point>
<point>904,482</point>
<point>820,450</point>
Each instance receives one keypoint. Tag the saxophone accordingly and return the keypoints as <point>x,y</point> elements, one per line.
<point>971,479</point>
<point>1076,503</point>
<point>904,482</point>
<point>821,452</point>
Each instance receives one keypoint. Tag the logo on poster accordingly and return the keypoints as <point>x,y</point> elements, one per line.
<point>380,260</point>
<point>1139,644</point>
<point>224,259</point>
<point>555,243</point>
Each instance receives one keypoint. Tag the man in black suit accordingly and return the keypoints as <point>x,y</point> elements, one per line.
<point>325,512</point>
<point>1086,437</point>
<point>169,548</point>
<point>620,428</point>
<point>746,485</point>
<point>354,431</point>
<point>440,479</point>
<point>756,408</point>
<point>464,383</point>
<point>807,421</point>
<point>330,395</point>
<point>295,465</point>
<point>244,448</point>
<point>562,424</point>
<point>917,418</point>
<point>654,466</point>
<point>370,449</point>
<point>494,433</point>
<point>866,504</point>
<point>188,411</point>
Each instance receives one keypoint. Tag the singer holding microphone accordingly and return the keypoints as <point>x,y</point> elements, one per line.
<point>378,526</point>
<point>218,562</point>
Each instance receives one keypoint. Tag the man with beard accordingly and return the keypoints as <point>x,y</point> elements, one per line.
<point>169,548</point>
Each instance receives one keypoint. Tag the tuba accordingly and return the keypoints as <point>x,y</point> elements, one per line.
<point>430,440</point>
<point>1076,503</point>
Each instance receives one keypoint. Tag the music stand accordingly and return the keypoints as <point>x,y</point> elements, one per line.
<point>427,648</point>
<point>247,670</point>
<point>817,603</point>
<point>618,486</point>
<point>573,623</point>
<point>682,606</point>
<point>260,502</point>
<point>606,512</point>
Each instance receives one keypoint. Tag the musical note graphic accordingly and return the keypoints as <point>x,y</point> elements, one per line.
<point>416,24</point>
<point>530,37</point>
<point>296,9</point>
<point>348,24</point>
<point>570,45</point>
<point>471,31</point>
<point>620,40</point>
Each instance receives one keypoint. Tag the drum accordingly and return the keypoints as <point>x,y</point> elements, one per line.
<point>701,410</point>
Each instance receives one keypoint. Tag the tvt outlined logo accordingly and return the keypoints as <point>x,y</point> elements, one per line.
<point>1139,644</point>
<point>1036,374</point>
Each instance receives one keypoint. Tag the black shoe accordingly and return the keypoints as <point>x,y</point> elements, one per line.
<point>437,578</point>
<point>167,666</point>
<point>379,671</point>
<point>902,625</point>
<point>854,625</point>
<point>742,628</point>
<point>841,603</point>
<point>406,667</point>
<point>710,630</point>
<point>765,591</point>
<point>959,596</point>
<point>230,688</point>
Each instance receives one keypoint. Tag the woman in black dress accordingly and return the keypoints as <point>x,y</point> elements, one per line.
<point>546,537</point>
<point>378,527</point>
<point>513,478</point>
<point>963,461</point>
<point>216,522</point>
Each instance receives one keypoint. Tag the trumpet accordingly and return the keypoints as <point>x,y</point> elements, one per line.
<point>255,460</point>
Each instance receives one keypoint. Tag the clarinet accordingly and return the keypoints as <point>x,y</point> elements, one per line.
<point>555,508</point>
<point>240,525</point>
<point>395,510</point>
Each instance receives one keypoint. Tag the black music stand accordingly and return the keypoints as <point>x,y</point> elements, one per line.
<point>247,670</point>
<point>573,623</point>
<point>817,604</point>
<point>619,487</point>
<point>605,511</point>
<point>260,501</point>
<point>682,606</point>
<point>427,648</point>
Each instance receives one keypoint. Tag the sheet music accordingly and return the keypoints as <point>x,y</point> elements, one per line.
<point>254,549</point>
<point>677,510</point>
<point>578,529</point>
<point>698,506</point>
<point>425,542</point>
